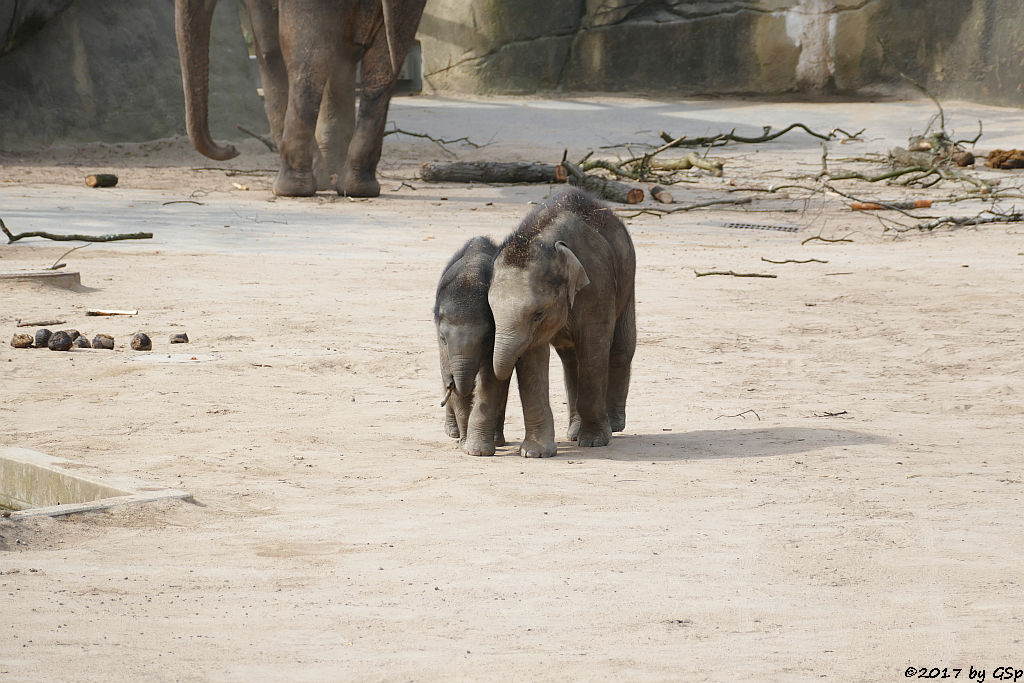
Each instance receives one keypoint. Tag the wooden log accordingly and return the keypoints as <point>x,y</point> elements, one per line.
<point>101,180</point>
<point>490,172</point>
<point>662,195</point>
<point>611,190</point>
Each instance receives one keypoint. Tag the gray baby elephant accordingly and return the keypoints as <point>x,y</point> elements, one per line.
<point>475,408</point>
<point>565,278</point>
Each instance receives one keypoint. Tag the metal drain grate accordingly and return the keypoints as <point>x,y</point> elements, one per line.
<point>758,226</point>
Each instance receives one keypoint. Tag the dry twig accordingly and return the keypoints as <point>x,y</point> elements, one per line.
<point>732,273</point>
<point>73,238</point>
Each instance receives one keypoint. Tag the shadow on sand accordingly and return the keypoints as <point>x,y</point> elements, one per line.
<point>714,444</point>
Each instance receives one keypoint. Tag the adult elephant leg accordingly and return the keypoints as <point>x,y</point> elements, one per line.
<point>378,83</point>
<point>570,369</point>
<point>309,41</point>
<point>273,75</point>
<point>337,118</point>
<point>619,362</point>
<point>592,392</point>
<point>532,376</point>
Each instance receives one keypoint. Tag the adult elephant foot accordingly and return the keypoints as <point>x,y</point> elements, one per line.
<point>592,437</point>
<point>477,447</point>
<point>357,185</point>
<point>535,449</point>
<point>294,184</point>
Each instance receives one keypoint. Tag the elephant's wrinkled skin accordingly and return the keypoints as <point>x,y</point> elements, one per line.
<point>308,51</point>
<point>565,278</point>
<point>475,413</point>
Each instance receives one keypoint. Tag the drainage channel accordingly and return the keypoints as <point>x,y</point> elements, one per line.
<point>34,484</point>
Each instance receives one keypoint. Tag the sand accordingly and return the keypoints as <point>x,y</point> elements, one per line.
<point>820,477</point>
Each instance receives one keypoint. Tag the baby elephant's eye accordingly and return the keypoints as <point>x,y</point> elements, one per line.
<point>538,316</point>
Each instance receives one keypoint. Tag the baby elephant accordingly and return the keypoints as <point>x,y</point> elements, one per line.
<point>565,278</point>
<point>475,408</point>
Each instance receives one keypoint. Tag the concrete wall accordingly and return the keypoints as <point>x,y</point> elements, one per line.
<point>956,48</point>
<point>108,71</point>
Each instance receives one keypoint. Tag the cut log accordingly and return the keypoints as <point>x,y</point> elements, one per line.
<point>611,190</point>
<point>662,195</point>
<point>490,172</point>
<point>101,180</point>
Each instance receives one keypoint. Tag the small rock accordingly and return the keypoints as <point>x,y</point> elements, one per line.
<point>59,341</point>
<point>81,342</point>
<point>42,338</point>
<point>21,341</point>
<point>74,334</point>
<point>179,338</point>
<point>142,342</point>
<point>102,341</point>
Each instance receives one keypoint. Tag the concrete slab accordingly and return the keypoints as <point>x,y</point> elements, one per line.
<point>35,484</point>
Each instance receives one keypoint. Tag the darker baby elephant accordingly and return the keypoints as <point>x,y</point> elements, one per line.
<point>475,410</point>
<point>565,278</point>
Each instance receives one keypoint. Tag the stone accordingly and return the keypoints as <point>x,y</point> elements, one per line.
<point>142,342</point>
<point>81,342</point>
<point>179,338</point>
<point>103,341</point>
<point>42,338</point>
<point>59,341</point>
<point>21,341</point>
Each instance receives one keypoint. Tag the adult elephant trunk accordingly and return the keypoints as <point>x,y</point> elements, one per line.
<point>192,20</point>
<point>507,349</point>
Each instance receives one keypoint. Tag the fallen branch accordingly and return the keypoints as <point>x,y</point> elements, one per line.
<point>878,206</point>
<point>742,414</point>
<point>654,211</point>
<point>819,238</point>
<point>440,142</point>
<point>958,222</point>
<point>262,138</point>
<point>491,172</point>
<point>73,238</point>
<point>109,312</point>
<point>733,274</point>
<point>38,323</point>
<point>768,136</point>
<point>790,260</point>
<point>57,264</point>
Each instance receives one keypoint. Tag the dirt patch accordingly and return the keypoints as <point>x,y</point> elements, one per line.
<point>818,475</point>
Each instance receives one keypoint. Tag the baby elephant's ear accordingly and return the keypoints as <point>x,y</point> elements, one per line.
<point>577,274</point>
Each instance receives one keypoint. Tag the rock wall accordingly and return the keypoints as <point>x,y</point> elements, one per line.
<point>108,71</point>
<point>955,48</point>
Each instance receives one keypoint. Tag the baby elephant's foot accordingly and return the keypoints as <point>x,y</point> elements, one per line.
<point>599,436</point>
<point>574,428</point>
<point>617,418</point>
<point>499,439</point>
<point>535,449</point>
<point>477,447</point>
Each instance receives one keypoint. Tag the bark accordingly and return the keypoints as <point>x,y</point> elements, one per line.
<point>491,172</point>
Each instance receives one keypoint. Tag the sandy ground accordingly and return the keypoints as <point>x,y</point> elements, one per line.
<point>820,476</point>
